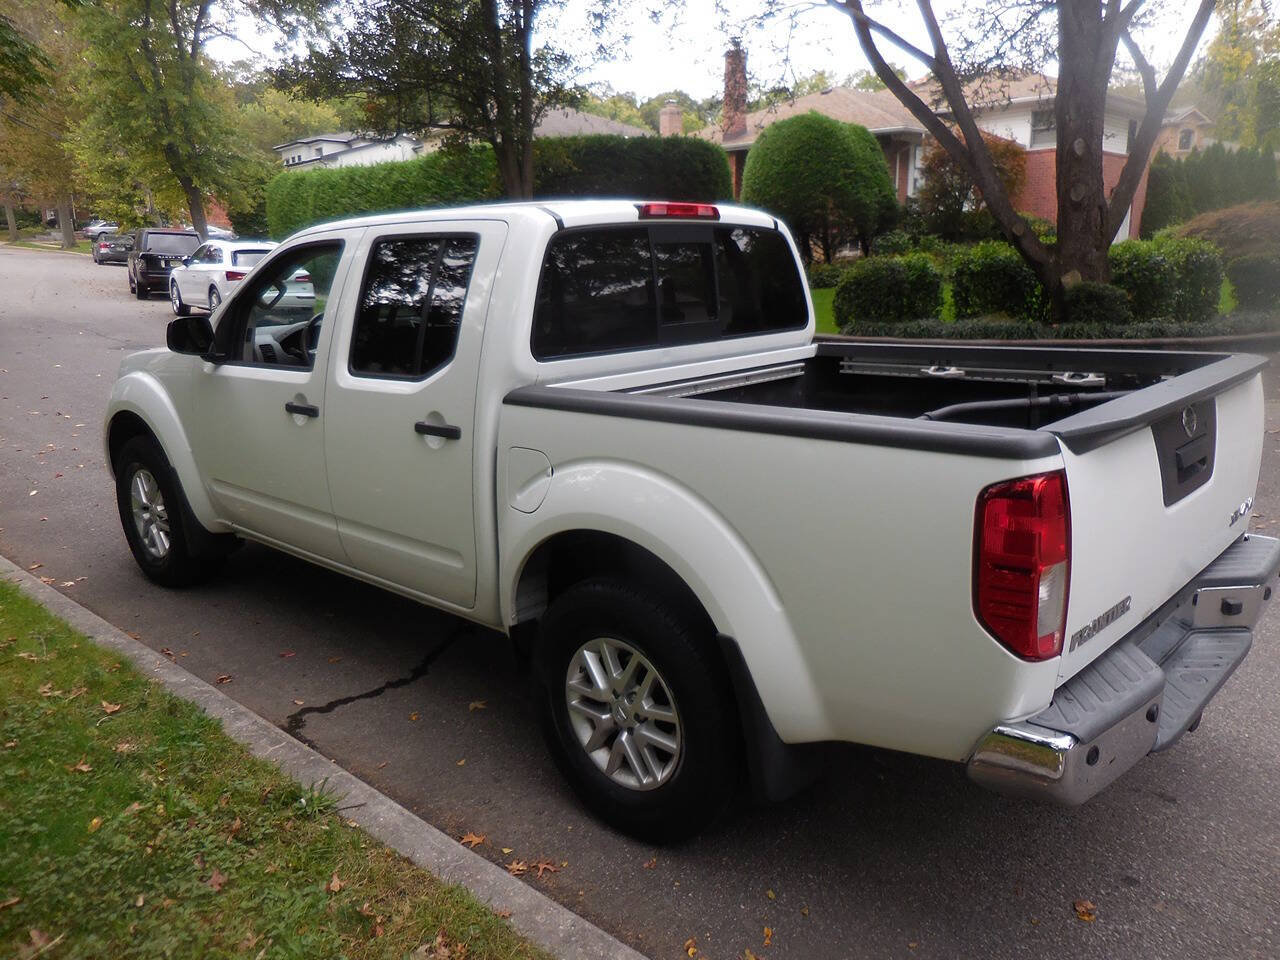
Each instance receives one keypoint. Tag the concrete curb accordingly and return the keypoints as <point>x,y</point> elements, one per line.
<point>539,918</point>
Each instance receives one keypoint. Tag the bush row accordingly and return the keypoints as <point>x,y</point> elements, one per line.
<point>1178,278</point>
<point>997,328</point>
<point>668,168</point>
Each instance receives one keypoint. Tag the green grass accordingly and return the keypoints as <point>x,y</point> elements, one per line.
<point>822,311</point>
<point>82,246</point>
<point>144,831</point>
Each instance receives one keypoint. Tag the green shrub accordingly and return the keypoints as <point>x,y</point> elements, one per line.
<point>822,276</point>
<point>1256,279</point>
<point>648,168</point>
<point>893,243</point>
<point>1146,276</point>
<point>1197,267</point>
<point>994,328</point>
<point>1102,304</point>
<point>888,290</point>
<point>991,277</point>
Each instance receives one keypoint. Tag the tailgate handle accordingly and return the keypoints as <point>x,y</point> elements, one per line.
<point>1191,458</point>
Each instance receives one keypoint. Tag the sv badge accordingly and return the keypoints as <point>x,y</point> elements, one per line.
<point>1240,512</point>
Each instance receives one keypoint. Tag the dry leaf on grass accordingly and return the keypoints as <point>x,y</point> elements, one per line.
<point>12,901</point>
<point>94,824</point>
<point>217,880</point>
<point>110,707</point>
<point>81,767</point>
<point>471,840</point>
<point>334,884</point>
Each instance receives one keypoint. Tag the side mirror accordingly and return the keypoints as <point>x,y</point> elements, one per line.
<point>186,261</point>
<point>191,335</point>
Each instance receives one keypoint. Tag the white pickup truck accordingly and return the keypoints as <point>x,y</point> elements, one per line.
<point>607,429</point>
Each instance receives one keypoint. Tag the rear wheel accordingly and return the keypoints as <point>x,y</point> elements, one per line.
<point>140,291</point>
<point>215,298</point>
<point>638,709</point>
<point>158,527</point>
<point>180,309</point>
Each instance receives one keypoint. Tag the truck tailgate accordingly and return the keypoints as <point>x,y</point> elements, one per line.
<point>1160,484</point>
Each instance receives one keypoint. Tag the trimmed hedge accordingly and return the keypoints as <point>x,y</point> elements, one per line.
<point>823,276</point>
<point>657,168</point>
<point>1000,329</point>
<point>889,290</point>
<point>992,278</point>
<point>1146,276</point>
<point>297,199</point>
<point>1096,304</point>
<point>1197,266</point>
<point>1256,280</point>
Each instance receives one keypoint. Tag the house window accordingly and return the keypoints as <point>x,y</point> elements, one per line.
<point>1185,139</point>
<point>1043,128</point>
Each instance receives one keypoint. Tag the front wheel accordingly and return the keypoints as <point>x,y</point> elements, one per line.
<point>180,309</point>
<point>215,298</point>
<point>638,709</point>
<point>157,526</point>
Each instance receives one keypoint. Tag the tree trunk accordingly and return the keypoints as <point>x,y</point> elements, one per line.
<point>1085,65</point>
<point>66,223</point>
<point>195,202</point>
<point>11,219</point>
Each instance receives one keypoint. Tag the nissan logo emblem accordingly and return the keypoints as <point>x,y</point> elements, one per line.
<point>1190,422</point>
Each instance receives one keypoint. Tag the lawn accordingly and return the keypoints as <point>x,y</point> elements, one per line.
<point>131,826</point>
<point>822,311</point>
<point>82,246</point>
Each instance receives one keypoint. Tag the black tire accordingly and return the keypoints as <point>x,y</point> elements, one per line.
<point>133,288</point>
<point>183,564</point>
<point>140,291</point>
<point>215,298</point>
<point>708,765</point>
<point>180,308</point>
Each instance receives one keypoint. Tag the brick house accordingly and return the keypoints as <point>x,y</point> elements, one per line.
<point>1184,130</point>
<point>1019,109</point>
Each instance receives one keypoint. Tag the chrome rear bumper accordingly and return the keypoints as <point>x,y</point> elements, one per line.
<point>1143,694</point>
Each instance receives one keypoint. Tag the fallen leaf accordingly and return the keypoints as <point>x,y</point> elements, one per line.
<point>76,692</point>
<point>25,655</point>
<point>381,765</point>
<point>32,493</point>
<point>651,863</point>
<point>140,901</point>
<point>236,826</point>
<point>804,911</point>
<point>45,690</point>
<point>912,944</point>
<point>81,767</point>
<point>545,866</point>
<point>334,884</point>
<point>217,880</point>
<point>166,652</point>
<point>377,930</point>
<point>286,654</point>
<point>504,914</point>
<point>94,824</point>
<point>67,583</point>
<point>35,566</point>
<point>223,678</point>
<point>413,717</point>
<point>462,762</point>
<point>364,909</point>
<point>517,868</point>
<point>10,744</point>
<point>135,636</point>
<point>298,703</point>
<point>1086,910</point>
<point>335,659</point>
<point>472,840</point>
<point>748,955</point>
<point>507,849</point>
<point>12,901</point>
<point>110,707</point>
<point>124,746</point>
<point>691,947</point>
<point>46,580</point>
<point>771,895</point>
<point>768,936</point>
<point>476,705</point>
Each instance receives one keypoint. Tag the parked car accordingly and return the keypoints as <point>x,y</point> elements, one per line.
<point>113,248</point>
<point>213,232</point>
<point>94,229</point>
<point>606,429</point>
<point>205,278</point>
<point>155,252</point>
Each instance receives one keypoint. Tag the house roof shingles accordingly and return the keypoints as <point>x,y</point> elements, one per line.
<point>567,122</point>
<point>879,112</point>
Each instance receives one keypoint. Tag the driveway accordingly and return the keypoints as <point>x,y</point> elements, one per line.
<point>887,856</point>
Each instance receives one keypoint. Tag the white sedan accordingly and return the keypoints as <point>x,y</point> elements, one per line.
<point>207,276</point>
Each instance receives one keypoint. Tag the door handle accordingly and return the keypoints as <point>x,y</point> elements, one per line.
<point>446,430</point>
<point>302,409</point>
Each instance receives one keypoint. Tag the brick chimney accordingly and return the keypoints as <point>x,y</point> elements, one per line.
<point>670,120</point>
<point>734,121</point>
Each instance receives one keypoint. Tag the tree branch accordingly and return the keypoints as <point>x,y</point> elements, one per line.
<point>859,17</point>
<point>1140,150</point>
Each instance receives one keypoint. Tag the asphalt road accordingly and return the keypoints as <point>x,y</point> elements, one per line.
<point>887,856</point>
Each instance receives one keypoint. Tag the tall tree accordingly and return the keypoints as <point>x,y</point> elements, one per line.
<point>1239,70</point>
<point>1084,37</point>
<point>468,68</point>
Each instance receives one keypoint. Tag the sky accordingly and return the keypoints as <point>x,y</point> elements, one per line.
<point>685,50</point>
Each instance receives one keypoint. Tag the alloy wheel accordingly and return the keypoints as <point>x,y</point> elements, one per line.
<point>623,714</point>
<point>150,516</point>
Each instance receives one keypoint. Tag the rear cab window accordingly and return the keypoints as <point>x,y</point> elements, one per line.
<point>632,287</point>
<point>178,244</point>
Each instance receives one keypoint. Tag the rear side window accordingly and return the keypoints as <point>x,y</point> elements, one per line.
<point>627,288</point>
<point>247,258</point>
<point>182,244</point>
<point>411,305</point>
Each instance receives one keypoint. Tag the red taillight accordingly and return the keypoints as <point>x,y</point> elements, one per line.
<point>1022,563</point>
<point>104,246</point>
<point>233,275</point>
<point>687,211</point>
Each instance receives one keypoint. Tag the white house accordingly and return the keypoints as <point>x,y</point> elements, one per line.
<point>345,150</point>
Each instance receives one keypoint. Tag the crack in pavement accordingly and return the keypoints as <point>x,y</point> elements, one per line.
<point>297,721</point>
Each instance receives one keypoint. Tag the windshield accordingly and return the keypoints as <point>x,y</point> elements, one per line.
<point>248,258</point>
<point>181,244</point>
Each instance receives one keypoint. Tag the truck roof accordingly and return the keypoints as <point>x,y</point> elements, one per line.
<point>570,213</point>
